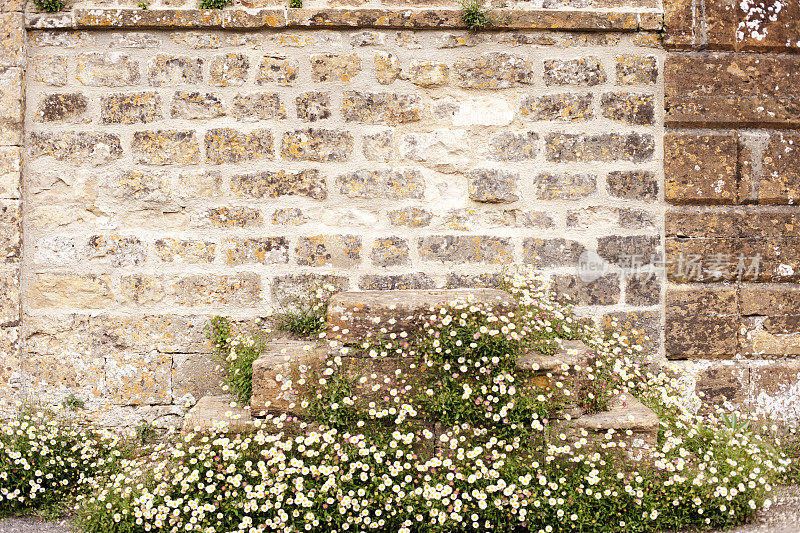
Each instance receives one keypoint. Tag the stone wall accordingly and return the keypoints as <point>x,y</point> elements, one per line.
<point>183,163</point>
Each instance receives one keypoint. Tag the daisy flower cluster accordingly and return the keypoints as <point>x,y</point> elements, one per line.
<point>436,427</point>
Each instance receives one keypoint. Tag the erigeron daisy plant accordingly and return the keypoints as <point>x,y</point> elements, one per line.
<point>433,430</point>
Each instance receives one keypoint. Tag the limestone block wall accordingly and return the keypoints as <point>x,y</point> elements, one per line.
<point>181,163</point>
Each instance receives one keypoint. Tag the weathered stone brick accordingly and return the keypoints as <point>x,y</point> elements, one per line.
<point>10,297</point>
<point>477,111</point>
<point>700,168</point>
<point>266,251</point>
<point>50,70</point>
<point>172,250</point>
<point>136,40</point>
<point>775,26</point>
<point>643,290</point>
<point>620,250</point>
<point>643,328</point>
<point>133,108</point>
<point>564,107</point>
<point>412,217</point>
<point>141,289</point>
<point>458,40</point>
<point>232,217</point>
<point>77,147</point>
<point>493,186</point>
<point>380,108</point>
<point>11,105</point>
<point>166,147</point>
<point>548,253</point>
<point>396,282</point>
<point>637,70</point>
<point>168,70</point>
<point>387,67</point>
<point>136,185</point>
<point>511,146</point>
<point>225,145</point>
<point>731,89</point>
<point>631,108</point>
<point>459,281</point>
<point>287,288</point>
<point>56,251</point>
<point>601,291</point>
<point>367,38</point>
<point>378,146</point>
<point>11,234</point>
<point>78,291</point>
<point>119,250</point>
<point>679,23</point>
<point>197,40</point>
<point>12,36</point>
<point>446,150</point>
<point>770,174</point>
<point>277,69</point>
<point>769,299</point>
<point>465,249</point>
<point>600,216</point>
<point>229,70</point>
<point>388,184</point>
<point>206,289</point>
<point>633,185</point>
<point>564,186</point>
<point>701,321</point>
<point>429,74</point>
<point>317,145</point>
<point>70,107</point>
<point>313,106</point>
<point>493,70</point>
<point>290,216</point>
<point>62,39</point>
<point>581,147</point>
<point>259,106</point>
<point>390,251</point>
<point>107,70</point>
<point>475,219</point>
<point>335,250</point>
<point>194,105</point>
<point>332,67</point>
<point>536,219</point>
<point>10,171</point>
<point>267,184</point>
<point>586,71</point>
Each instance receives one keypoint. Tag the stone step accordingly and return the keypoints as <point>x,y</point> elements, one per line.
<point>354,316</point>
<point>543,370</point>
<point>282,373</point>
<point>216,412</point>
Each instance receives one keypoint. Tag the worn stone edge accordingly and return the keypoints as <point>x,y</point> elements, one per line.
<point>505,19</point>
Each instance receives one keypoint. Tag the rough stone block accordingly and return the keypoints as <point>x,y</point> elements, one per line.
<point>637,70</point>
<point>317,145</point>
<point>445,150</point>
<point>633,185</point>
<point>133,108</point>
<point>465,249</point>
<point>511,146</point>
<point>277,69</point>
<point>388,184</point>
<point>620,250</point>
<point>429,74</point>
<point>625,414</point>
<point>395,282</point>
<point>283,375</point>
<point>380,108</point>
<point>353,316</point>
<point>11,97</point>
<point>107,70</point>
<point>166,147</point>
<point>643,290</point>
<point>259,106</point>
<point>548,253</point>
<point>598,216</point>
<point>10,297</point>
<point>379,146</point>
<point>226,145</point>
<point>642,328</point>
<point>563,107</point>
<point>770,174</point>
<point>167,70</point>
<point>336,250</point>
<point>265,251</point>
<point>477,111</point>
<point>290,216</point>
<point>208,289</point>
<point>194,105</point>
<point>493,186</point>
<point>700,168</point>
<point>412,217</point>
<point>229,70</point>
<point>306,183</point>
<point>172,250</point>
<point>10,171</point>
<point>76,147</point>
<point>565,186</point>
<point>68,107</point>
<point>387,67</point>
<point>604,290</point>
<point>141,289</point>
<point>313,106</point>
<point>390,251</point>
<point>232,217</point>
<point>217,413</point>
<point>493,70</point>
<point>585,71</point>
<point>331,67</point>
<point>194,376</point>
<point>631,108</point>
<point>119,250</point>
<point>50,70</point>
<point>701,321</point>
<point>12,38</point>
<point>581,147</point>
<point>78,291</point>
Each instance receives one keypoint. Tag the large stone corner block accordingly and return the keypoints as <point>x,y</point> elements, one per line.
<point>282,374</point>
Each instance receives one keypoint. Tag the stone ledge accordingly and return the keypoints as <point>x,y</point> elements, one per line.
<point>507,19</point>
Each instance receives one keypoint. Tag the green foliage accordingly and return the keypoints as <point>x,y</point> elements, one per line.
<point>474,15</point>
<point>73,403</point>
<point>146,433</point>
<point>143,5</point>
<point>238,354</point>
<point>50,6</point>
<point>296,4</point>
<point>305,314</point>
<point>214,4</point>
